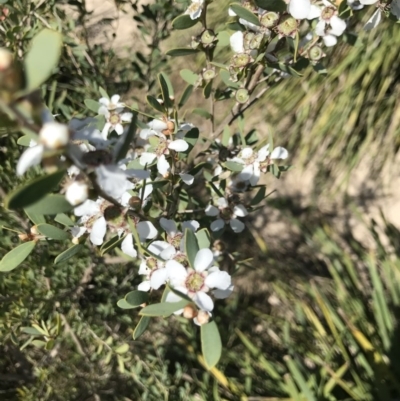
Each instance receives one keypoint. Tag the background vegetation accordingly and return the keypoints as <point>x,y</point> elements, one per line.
<point>315,312</point>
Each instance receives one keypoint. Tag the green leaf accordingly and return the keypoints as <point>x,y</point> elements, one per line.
<point>191,246</point>
<point>223,38</point>
<point>25,140</point>
<point>127,138</point>
<point>31,331</point>
<point>34,190</point>
<point>203,238</point>
<point>103,93</point>
<point>184,22</point>
<point>50,204</point>
<point>202,112</point>
<point>185,95</point>
<point>122,349</point>
<point>191,138</point>
<point>68,254</point>
<point>189,76</point>
<point>42,57</point>
<point>141,327</point>
<point>64,220</point>
<point>272,5</point>
<point>244,13</point>
<point>211,345</point>
<point>183,51</point>
<point>52,232</point>
<point>164,309</point>
<point>226,79</point>
<point>260,195</point>
<point>124,305</point>
<point>92,105</point>
<point>34,217</point>
<point>165,90</point>
<point>207,90</point>
<point>136,298</point>
<point>154,103</point>
<point>16,256</point>
<point>233,166</point>
<point>110,244</point>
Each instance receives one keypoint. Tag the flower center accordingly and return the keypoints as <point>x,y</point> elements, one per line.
<point>194,282</point>
<point>162,147</point>
<point>182,259</point>
<point>226,213</point>
<point>115,119</point>
<point>175,241</point>
<point>152,263</point>
<point>327,13</point>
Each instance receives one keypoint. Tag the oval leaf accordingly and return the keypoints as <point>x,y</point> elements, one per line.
<point>211,345</point>
<point>136,298</point>
<point>191,246</point>
<point>15,257</point>
<point>92,105</point>
<point>164,309</point>
<point>42,57</point>
<point>64,220</point>
<point>68,254</point>
<point>50,204</point>
<point>184,22</point>
<point>154,103</point>
<point>244,13</point>
<point>124,305</point>
<point>141,327</point>
<point>189,76</point>
<point>52,232</point>
<point>33,191</point>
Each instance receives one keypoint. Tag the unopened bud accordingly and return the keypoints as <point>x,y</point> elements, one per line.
<point>242,95</point>
<point>77,193</point>
<point>6,59</point>
<point>54,135</point>
<point>269,19</point>
<point>189,312</point>
<point>209,74</point>
<point>202,317</point>
<point>34,230</point>
<point>207,37</point>
<point>135,203</point>
<point>316,53</point>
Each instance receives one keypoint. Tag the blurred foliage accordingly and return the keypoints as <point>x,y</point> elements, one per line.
<point>329,329</point>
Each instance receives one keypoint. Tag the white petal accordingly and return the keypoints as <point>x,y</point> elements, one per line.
<point>76,193</point>
<point>112,180</point>
<point>146,230</point>
<point>172,297</point>
<point>374,21</point>
<point>263,153</point>
<point>203,259</point>
<point>119,129</point>
<point>139,174</point>
<point>77,231</point>
<point>176,272</point>
<point>31,157</point>
<point>144,269</point>
<point>127,117</point>
<point>156,247</point>
<point>240,211</point>
<point>191,224</point>
<point>279,153</point>
<point>125,198</point>
<point>338,26</point>
<point>315,12</point>
<point>222,294</point>
<point>169,226</point>
<point>144,286</point>
<point>219,279</point>
<point>147,158</point>
<point>211,210</point>
<point>158,125</point>
<point>168,253</point>
<point>329,40</point>
<point>236,41</point>
<point>163,165</point>
<point>217,225</point>
<point>146,133</point>
<point>179,145</point>
<point>231,13</point>
<point>256,174</point>
<point>104,101</point>
<point>246,173</point>
<point>222,202</point>
<point>115,99</point>
<point>158,278</point>
<point>246,153</point>
<point>320,28</point>
<point>203,301</point>
<point>299,9</point>
<point>236,225</point>
<point>98,231</point>
<point>89,208</point>
<point>127,246</point>
<point>367,2</point>
<point>187,178</point>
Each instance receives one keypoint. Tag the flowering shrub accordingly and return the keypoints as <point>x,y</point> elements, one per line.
<point>150,185</point>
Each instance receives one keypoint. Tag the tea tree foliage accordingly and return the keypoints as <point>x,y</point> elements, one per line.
<point>105,177</point>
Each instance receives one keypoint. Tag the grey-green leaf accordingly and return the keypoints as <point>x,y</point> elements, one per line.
<point>92,105</point>
<point>184,22</point>
<point>244,13</point>
<point>141,327</point>
<point>68,254</point>
<point>191,246</point>
<point>42,57</point>
<point>164,309</point>
<point>211,345</point>
<point>52,232</point>
<point>50,204</point>
<point>15,257</point>
<point>189,76</point>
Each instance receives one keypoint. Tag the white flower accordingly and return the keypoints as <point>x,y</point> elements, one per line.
<point>255,162</point>
<point>76,193</point>
<point>329,25</point>
<point>52,136</point>
<point>195,9</point>
<point>299,9</point>
<point>198,281</point>
<point>227,215</point>
<point>174,236</point>
<point>111,104</point>
<point>114,121</point>
<point>236,41</point>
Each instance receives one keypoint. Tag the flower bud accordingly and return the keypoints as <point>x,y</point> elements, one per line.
<point>135,203</point>
<point>77,193</point>
<point>269,19</point>
<point>242,95</point>
<point>316,53</point>
<point>207,37</point>
<point>202,317</point>
<point>209,74</point>
<point>54,135</point>
<point>189,312</point>
<point>241,60</point>
<point>34,230</point>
